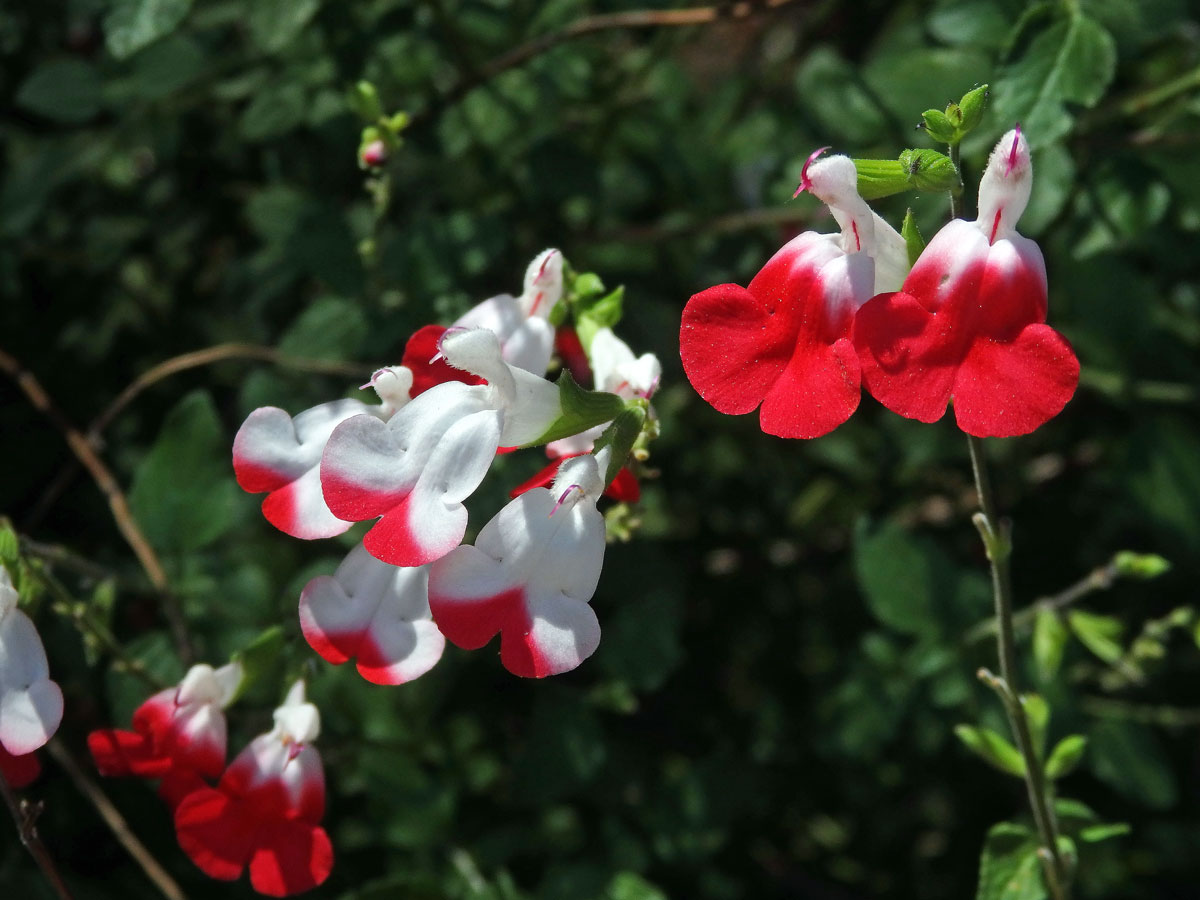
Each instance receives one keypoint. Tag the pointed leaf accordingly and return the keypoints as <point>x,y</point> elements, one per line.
<point>1009,868</point>
<point>992,748</point>
<point>1097,833</point>
<point>1049,640</point>
<point>1066,755</point>
<point>133,24</point>
<point>1038,714</point>
<point>1099,634</point>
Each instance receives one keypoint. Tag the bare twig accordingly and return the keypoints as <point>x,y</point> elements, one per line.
<point>635,18</point>
<point>116,822</point>
<point>25,815</point>
<point>126,523</point>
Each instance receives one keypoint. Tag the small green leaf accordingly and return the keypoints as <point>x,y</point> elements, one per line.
<point>939,127</point>
<point>1142,566</point>
<point>1049,641</point>
<point>10,545</point>
<point>276,23</point>
<point>1073,814</point>
<point>581,410</point>
<point>1009,868</point>
<point>1099,634</point>
<point>259,658</point>
<point>1037,712</point>
<point>1130,759</point>
<point>972,105</point>
<point>1066,755</point>
<point>992,748</point>
<point>1096,833</point>
<point>133,24</point>
<point>65,90</point>
<point>631,886</point>
<point>914,243</point>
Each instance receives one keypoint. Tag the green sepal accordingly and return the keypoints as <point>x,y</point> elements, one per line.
<point>914,243</point>
<point>880,178</point>
<point>1066,755</point>
<point>1140,565</point>
<point>1099,634</point>
<point>363,99</point>
<point>621,435</point>
<point>992,748</point>
<point>580,410</point>
<point>603,312</point>
<point>939,126</point>
<point>258,658</point>
<point>971,108</point>
<point>929,170</point>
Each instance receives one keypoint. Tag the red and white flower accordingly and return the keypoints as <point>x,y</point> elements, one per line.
<point>31,705</point>
<point>265,812</point>
<point>968,325</point>
<point>178,735</point>
<point>521,323</point>
<point>783,342</point>
<point>376,612</point>
<point>529,576</point>
<point>414,471</point>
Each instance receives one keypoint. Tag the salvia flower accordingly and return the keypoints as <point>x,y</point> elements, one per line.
<point>968,325</point>
<point>19,771</point>
<point>784,342</point>
<point>415,470</point>
<point>179,734</point>
<point>376,612</point>
<point>265,812</point>
<point>530,576</point>
<point>31,705</point>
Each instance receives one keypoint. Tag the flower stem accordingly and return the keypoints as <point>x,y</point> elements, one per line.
<point>957,209</point>
<point>998,544</point>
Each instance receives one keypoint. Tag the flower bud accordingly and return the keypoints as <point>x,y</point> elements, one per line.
<point>373,154</point>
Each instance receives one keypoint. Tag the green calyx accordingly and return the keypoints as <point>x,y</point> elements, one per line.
<point>958,120</point>
<point>622,435</point>
<point>914,170</point>
<point>580,410</point>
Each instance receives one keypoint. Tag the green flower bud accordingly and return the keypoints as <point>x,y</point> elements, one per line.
<point>929,170</point>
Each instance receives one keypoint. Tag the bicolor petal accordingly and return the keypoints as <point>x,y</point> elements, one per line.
<point>31,705</point>
<point>376,612</point>
<point>275,453</point>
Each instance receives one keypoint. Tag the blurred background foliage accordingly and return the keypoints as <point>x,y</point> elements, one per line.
<point>791,639</point>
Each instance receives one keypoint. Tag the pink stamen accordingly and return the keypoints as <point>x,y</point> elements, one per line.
<point>1012,154</point>
<point>565,494</point>
<point>857,240</point>
<point>995,226</point>
<point>805,181</point>
<point>374,378</point>
<point>445,334</point>
<point>649,392</point>
<point>294,750</point>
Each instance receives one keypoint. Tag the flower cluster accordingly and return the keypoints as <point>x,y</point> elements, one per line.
<point>831,313</point>
<point>31,705</point>
<point>262,812</point>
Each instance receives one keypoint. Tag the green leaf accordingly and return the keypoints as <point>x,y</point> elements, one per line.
<point>899,576</point>
<point>1073,814</point>
<point>596,312</point>
<point>274,112</point>
<point>1071,61</point>
<point>363,100</point>
<point>1143,566</point>
<point>330,328</point>
<point>631,886</point>
<point>1098,633</point>
<point>581,410</point>
<point>259,658</point>
<point>1037,713</point>
<point>276,23</point>
<point>133,24</point>
<point>1049,641</point>
<point>101,606</point>
<point>1130,759</point>
<point>1097,833</point>
<point>65,90</point>
<point>914,243</point>
<point>991,748</point>
<point>183,493</point>
<point>1009,868</point>
<point>10,545</point>
<point>1066,755</point>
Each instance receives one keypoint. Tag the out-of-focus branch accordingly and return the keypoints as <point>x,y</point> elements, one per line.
<point>126,523</point>
<point>634,18</point>
<point>25,815</point>
<point>154,870</point>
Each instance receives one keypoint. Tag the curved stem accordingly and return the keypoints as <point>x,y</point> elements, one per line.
<point>25,816</point>
<point>998,543</point>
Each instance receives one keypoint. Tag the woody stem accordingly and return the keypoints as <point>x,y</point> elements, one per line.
<point>998,544</point>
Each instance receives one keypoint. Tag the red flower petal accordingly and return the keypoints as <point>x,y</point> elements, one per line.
<point>420,349</point>
<point>290,857</point>
<point>126,753</point>
<point>19,771</point>
<point>214,831</point>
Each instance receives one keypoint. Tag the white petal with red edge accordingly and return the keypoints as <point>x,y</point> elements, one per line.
<point>376,612</point>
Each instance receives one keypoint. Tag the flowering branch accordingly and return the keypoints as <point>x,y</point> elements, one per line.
<point>25,815</point>
<point>997,541</point>
<point>126,523</point>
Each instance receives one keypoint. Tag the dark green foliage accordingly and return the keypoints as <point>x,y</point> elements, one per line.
<point>793,635</point>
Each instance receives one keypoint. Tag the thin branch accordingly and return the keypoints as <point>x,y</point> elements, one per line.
<point>1099,579</point>
<point>637,18</point>
<point>25,816</point>
<point>208,356</point>
<point>117,503</point>
<point>1163,716</point>
<point>116,822</point>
